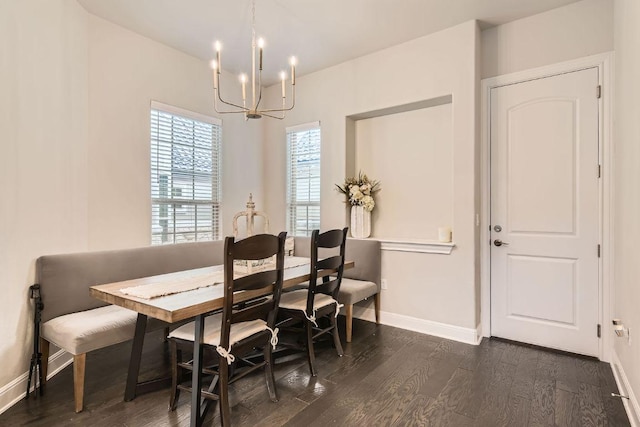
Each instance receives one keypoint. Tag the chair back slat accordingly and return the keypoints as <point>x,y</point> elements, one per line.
<point>258,280</point>
<point>328,239</point>
<point>256,247</point>
<point>330,263</point>
<point>327,288</point>
<point>258,311</point>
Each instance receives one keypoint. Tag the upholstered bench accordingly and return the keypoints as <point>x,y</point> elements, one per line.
<point>358,283</point>
<point>77,323</point>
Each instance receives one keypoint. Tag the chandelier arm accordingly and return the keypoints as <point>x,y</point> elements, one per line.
<point>272,116</point>
<point>231,112</point>
<point>219,97</point>
<point>228,112</point>
<point>275,110</point>
<point>283,109</point>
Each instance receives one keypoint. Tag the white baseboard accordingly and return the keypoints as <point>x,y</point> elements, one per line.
<point>15,391</point>
<point>631,405</point>
<point>443,330</point>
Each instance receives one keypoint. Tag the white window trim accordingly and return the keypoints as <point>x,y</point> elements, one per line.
<point>303,127</point>
<point>155,105</point>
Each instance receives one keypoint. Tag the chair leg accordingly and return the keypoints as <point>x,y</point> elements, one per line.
<point>223,386</point>
<point>377,306</point>
<point>349,315</point>
<point>79,361</point>
<point>310,352</point>
<point>176,374</point>
<point>268,373</point>
<point>44,350</point>
<point>336,336</point>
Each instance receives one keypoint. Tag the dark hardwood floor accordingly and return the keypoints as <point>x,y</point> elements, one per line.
<point>387,377</point>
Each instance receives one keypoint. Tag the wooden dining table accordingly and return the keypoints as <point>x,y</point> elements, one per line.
<point>193,304</point>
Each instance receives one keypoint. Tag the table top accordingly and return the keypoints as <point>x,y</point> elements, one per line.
<point>185,305</point>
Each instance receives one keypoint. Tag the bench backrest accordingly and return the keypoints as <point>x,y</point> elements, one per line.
<point>65,279</point>
<point>365,253</point>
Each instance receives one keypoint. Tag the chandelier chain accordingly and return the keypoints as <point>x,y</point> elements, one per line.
<point>253,23</point>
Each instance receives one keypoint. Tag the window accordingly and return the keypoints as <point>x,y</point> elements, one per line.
<point>303,179</point>
<point>185,175</point>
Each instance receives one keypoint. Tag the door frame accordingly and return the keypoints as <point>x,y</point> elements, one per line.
<point>604,63</point>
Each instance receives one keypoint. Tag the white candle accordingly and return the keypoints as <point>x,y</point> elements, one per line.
<point>444,234</point>
<point>283,77</point>
<point>214,65</point>
<point>292,61</point>
<point>243,79</point>
<point>218,49</point>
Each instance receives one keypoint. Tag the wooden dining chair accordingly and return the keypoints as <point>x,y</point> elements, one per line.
<point>319,300</point>
<point>238,329</point>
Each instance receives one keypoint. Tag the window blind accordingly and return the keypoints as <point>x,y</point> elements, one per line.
<point>303,179</point>
<point>185,176</point>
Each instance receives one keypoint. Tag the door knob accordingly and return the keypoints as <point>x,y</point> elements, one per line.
<point>499,242</point>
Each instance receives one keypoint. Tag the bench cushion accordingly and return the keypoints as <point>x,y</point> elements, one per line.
<point>89,330</point>
<point>352,290</point>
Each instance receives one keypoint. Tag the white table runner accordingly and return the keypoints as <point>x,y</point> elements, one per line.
<point>172,285</point>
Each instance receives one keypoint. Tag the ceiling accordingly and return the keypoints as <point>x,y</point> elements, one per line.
<point>320,33</point>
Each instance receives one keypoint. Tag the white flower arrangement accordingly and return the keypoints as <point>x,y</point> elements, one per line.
<point>360,191</point>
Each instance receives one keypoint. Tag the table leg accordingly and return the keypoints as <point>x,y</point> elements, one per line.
<point>136,357</point>
<point>196,375</point>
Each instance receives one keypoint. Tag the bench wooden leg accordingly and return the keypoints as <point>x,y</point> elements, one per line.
<point>377,307</point>
<point>349,314</point>
<point>79,361</point>
<point>44,350</point>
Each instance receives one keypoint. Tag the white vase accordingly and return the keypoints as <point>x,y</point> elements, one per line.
<point>360,222</point>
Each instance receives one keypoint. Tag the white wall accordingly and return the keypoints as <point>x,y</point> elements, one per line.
<point>126,72</point>
<point>43,157</point>
<point>573,31</point>
<point>627,176</point>
<point>412,153</point>
<point>427,287</point>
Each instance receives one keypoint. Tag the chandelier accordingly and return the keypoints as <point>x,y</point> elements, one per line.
<point>255,110</point>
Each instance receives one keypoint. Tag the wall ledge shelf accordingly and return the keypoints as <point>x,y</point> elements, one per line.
<point>414,245</point>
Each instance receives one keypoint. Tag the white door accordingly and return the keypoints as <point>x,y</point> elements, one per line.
<point>545,208</point>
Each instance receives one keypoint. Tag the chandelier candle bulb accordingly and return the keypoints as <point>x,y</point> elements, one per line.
<point>283,78</point>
